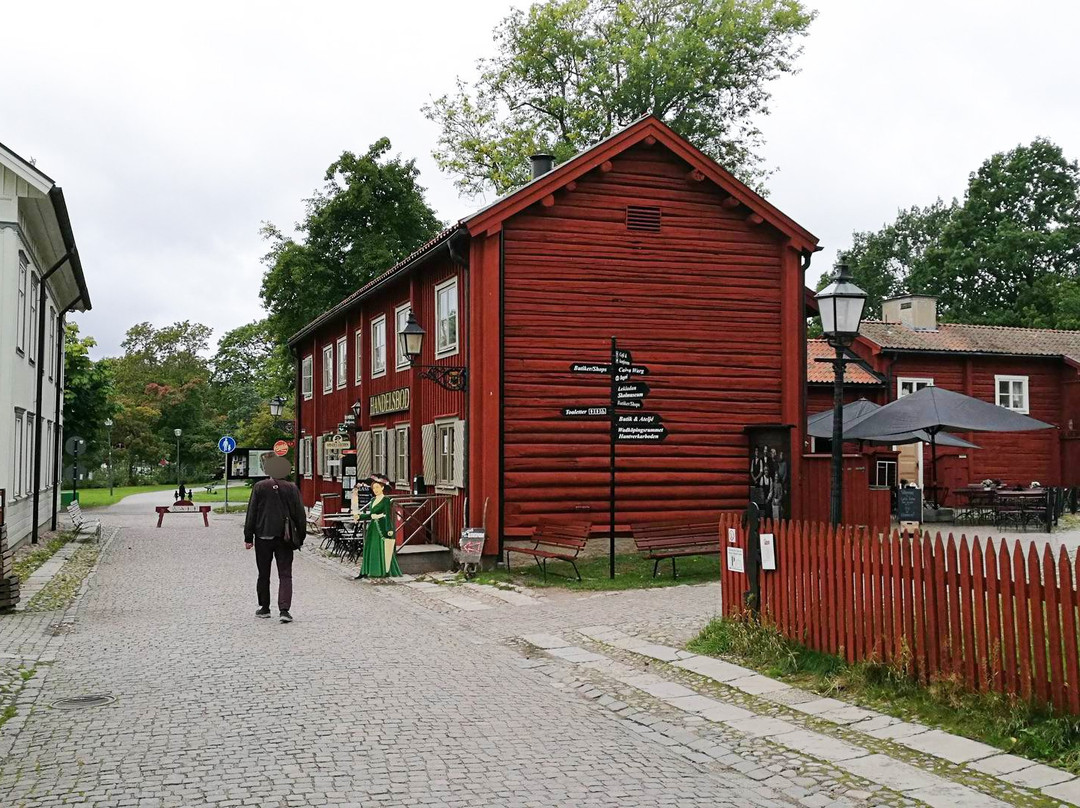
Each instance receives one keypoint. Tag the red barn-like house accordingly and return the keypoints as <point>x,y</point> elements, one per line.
<point>641,237</point>
<point>1033,371</point>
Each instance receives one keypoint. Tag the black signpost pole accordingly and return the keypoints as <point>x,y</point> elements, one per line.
<point>614,420</point>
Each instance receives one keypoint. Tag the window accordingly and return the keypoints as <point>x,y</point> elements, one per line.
<point>1012,393</point>
<point>401,461</point>
<point>448,453</point>
<point>342,363</point>
<point>378,451</point>
<point>446,319</point>
<point>52,342</point>
<point>47,462</point>
<point>32,326</point>
<point>327,368</point>
<point>378,346</point>
<point>19,453</point>
<point>905,387</point>
<point>20,312</point>
<point>885,473</point>
<point>401,319</point>
<point>306,373</point>
<point>304,460</point>
<point>358,343</point>
<point>28,472</point>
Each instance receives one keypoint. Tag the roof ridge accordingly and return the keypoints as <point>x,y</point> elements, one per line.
<point>1071,331</point>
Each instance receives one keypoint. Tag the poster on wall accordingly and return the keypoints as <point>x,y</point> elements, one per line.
<point>770,468</point>
<point>246,464</point>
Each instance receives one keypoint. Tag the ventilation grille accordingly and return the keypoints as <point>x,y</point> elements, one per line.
<point>643,218</point>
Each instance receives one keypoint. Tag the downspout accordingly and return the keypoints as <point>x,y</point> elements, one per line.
<point>42,300</point>
<point>57,446</point>
<point>463,262</point>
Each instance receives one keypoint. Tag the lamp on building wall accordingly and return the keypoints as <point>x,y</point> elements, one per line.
<point>277,406</point>
<point>411,343</point>
<point>841,305</point>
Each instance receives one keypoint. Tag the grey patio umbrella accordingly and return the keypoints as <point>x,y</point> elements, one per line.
<point>935,409</point>
<point>820,426</point>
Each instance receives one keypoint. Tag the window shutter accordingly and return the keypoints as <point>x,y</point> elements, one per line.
<point>391,454</point>
<point>459,454</point>
<point>363,455</point>
<point>427,438</point>
<point>320,455</point>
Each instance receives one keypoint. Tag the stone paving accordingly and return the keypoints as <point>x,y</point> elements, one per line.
<point>383,694</point>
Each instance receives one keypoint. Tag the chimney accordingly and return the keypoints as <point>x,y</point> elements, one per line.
<point>541,164</point>
<point>917,312</point>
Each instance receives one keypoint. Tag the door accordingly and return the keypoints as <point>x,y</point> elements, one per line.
<point>910,462</point>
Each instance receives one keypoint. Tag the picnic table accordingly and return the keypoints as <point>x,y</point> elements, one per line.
<point>183,507</point>
<point>1004,506</point>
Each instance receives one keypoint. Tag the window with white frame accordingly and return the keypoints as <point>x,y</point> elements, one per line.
<point>1012,393</point>
<point>306,377</point>
<point>358,344</point>
<point>342,362</point>
<point>46,466</point>
<point>33,324</point>
<point>20,312</point>
<point>401,462</point>
<point>327,368</point>
<point>52,342</point>
<point>447,448</point>
<point>29,470</point>
<point>19,454</point>
<point>305,457</point>
<point>378,451</point>
<point>401,319</point>
<point>446,318</point>
<point>907,386</point>
<point>378,346</point>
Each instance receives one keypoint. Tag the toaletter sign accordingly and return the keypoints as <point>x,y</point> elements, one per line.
<point>391,401</point>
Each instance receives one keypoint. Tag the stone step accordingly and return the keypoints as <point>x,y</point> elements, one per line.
<point>416,559</point>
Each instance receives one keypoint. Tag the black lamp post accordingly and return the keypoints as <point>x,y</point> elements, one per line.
<point>108,432</point>
<point>841,307</point>
<point>410,343</point>
<point>178,433</point>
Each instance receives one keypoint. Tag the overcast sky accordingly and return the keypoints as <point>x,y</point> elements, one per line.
<point>176,129</point>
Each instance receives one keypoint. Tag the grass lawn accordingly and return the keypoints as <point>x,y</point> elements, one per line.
<point>1004,722</point>
<point>99,497</point>
<point>631,572</point>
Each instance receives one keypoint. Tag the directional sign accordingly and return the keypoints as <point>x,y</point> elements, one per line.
<point>631,390</point>
<point>75,445</point>
<point>639,419</point>
<point>585,412</point>
<point>630,404</point>
<point>226,445</point>
<point>626,372</point>
<point>623,358</point>
<point>641,434</point>
<point>585,367</point>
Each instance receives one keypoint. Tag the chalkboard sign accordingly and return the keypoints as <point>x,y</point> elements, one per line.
<point>909,505</point>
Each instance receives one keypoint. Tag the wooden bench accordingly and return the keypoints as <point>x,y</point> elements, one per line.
<point>185,507</point>
<point>314,518</point>
<point>676,540</point>
<point>81,522</point>
<point>562,541</point>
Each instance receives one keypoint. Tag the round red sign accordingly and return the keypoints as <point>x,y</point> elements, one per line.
<point>281,448</point>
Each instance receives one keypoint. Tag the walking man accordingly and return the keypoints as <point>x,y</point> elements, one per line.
<point>274,501</point>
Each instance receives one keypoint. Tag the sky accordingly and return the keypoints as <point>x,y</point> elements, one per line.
<point>175,135</point>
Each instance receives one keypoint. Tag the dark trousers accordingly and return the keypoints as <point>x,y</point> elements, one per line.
<point>265,552</point>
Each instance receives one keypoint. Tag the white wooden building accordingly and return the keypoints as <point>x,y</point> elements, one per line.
<point>41,280</point>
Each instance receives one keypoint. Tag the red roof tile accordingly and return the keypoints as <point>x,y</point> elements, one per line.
<point>822,372</point>
<point>961,338</point>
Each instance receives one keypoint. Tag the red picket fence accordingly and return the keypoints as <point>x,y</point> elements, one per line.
<point>999,620</point>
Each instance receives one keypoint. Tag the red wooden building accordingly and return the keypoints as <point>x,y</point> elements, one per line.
<point>1033,371</point>
<point>641,237</point>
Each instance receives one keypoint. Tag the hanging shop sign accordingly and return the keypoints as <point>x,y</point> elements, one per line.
<point>585,412</point>
<point>338,443</point>
<point>391,401</point>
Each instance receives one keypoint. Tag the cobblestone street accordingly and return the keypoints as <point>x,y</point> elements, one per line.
<point>396,694</point>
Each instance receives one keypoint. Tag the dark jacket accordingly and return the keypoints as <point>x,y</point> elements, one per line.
<point>271,502</point>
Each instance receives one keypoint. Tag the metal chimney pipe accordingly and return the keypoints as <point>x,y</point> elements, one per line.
<point>541,164</point>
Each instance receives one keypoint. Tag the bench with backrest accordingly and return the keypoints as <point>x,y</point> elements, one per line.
<point>80,521</point>
<point>562,541</point>
<point>314,518</point>
<point>676,540</point>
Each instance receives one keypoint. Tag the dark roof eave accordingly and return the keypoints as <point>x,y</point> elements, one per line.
<point>952,352</point>
<point>56,196</point>
<point>376,283</point>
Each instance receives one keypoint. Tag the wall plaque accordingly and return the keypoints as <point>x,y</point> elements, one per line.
<point>391,401</point>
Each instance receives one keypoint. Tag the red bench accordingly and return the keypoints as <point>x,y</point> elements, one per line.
<point>562,541</point>
<point>676,540</point>
<point>183,507</point>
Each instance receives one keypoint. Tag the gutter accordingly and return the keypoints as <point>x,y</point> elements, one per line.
<point>56,196</point>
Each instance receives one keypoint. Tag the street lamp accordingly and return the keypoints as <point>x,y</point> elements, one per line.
<point>410,344</point>
<point>108,431</point>
<point>841,306</point>
<point>178,433</point>
<point>277,406</point>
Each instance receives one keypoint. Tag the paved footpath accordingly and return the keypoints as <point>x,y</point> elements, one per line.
<point>378,694</point>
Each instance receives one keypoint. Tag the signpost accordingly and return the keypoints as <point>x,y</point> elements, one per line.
<point>74,446</point>
<point>281,448</point>
<point>227,445</point>
<point>627,390</point>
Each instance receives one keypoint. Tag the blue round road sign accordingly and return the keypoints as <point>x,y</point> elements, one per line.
<point>227,445</point>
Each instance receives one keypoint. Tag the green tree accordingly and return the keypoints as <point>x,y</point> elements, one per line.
<point>87,391</point>
<point>883,261</point>
<point>568,73</point>
<point>1010,255</point>
<point>370,214</point>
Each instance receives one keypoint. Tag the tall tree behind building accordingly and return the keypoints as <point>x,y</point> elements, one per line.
<point>568,73</point>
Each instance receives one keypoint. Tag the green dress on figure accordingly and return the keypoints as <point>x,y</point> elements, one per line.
<point>375,564</point>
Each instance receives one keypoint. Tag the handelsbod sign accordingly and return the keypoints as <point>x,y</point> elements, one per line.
<point>391,401</point>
